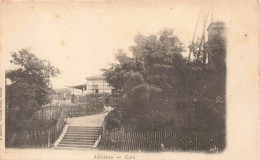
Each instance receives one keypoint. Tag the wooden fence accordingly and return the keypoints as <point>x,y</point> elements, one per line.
<point>42,138</point>
<point>35,138</point>
<point>48,113</point>
<point>82,110</point>
<point>161,141</point>
<point>72,110</point>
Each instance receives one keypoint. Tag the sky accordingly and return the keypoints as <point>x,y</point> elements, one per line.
<point>80,38</point>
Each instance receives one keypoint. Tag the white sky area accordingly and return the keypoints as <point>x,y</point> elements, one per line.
<point>81,38</point>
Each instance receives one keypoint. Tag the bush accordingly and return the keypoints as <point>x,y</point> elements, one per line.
<point>113,120</point>
<point>117,102</point>
<point>182,115</point>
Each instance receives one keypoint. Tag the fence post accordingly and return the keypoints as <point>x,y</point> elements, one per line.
<point>48,135</point>
<point>42,113</point>
<point>196,148</point>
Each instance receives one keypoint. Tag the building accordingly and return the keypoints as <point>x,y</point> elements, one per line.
<point>216,29</point>
<point>97,85</point>
<point>94,85</point>
<point>78,90</point>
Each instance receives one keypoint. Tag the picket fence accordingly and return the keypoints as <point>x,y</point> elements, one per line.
<point>42,138</point>
<point>83,110</point>
<point>162,141</point>
<point>72,110</point>
<point>37,138</point>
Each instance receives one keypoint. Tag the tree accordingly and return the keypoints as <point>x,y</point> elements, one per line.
<point>209,78</point>
<point>153,75</point>
<point>165,91</point>
<point>30,83</point>
<point>153,68</point>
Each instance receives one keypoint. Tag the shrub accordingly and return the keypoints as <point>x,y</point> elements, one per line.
<point>113,120</point>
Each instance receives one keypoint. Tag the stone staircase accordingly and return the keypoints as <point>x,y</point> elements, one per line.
<point>79,137</point>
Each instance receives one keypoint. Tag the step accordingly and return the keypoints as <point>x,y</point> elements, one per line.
<point>71,148</point>
<point>74,137</point>
<point>75,130</point>
<point>88,131</point>
<point>92,133</point>
<point>74,146</point>
<point>78,143</point>
<point>76,134</point>
<point>82,135</point>
<point>83,141</point>
<point>70,134</point>
<point>83,127</point>
<point>80,138</point>
<point>85,133</point>
<point>80,130</point>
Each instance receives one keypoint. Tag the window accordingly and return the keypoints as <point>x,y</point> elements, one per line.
<point>95,89</point>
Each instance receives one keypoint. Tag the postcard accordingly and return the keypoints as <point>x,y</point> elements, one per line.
<point>130,80</point>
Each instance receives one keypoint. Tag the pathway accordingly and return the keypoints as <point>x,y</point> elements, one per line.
<point>90,120</point>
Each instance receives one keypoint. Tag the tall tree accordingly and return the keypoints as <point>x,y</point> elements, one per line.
<point>30,83</point>
<point>153,67</point>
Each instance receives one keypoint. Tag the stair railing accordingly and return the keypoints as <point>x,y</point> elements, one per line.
<point>100,132</point>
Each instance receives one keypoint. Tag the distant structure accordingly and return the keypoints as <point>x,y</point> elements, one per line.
<point>216,29</point>
<point>97,85</point>
<point>78,90</point>
<point>94,85</point>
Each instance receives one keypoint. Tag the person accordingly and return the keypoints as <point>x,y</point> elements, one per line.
<point>106,101</point>
<point>162,146</point>
<point>73,98</point>
<point>64,97</point>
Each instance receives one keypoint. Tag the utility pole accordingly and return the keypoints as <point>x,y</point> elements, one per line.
<point>211,11</point>
<point>202,42</point>
<point>204,58</point>
<point>192,43</point>
<point>202,38</point>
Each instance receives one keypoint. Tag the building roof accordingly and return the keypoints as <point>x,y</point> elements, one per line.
<point>220,24</point>
<point>82,86</point>
<point>95,77</point>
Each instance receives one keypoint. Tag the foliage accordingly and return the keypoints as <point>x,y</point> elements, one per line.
<point>153,68</point>
<point>58,94</point>
<point>209,78</point>
<point>113,120</point>
<point>165,91</point>
<point>30,83</point>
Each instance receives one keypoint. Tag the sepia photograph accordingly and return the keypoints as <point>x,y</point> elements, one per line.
<point>116,76</point>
